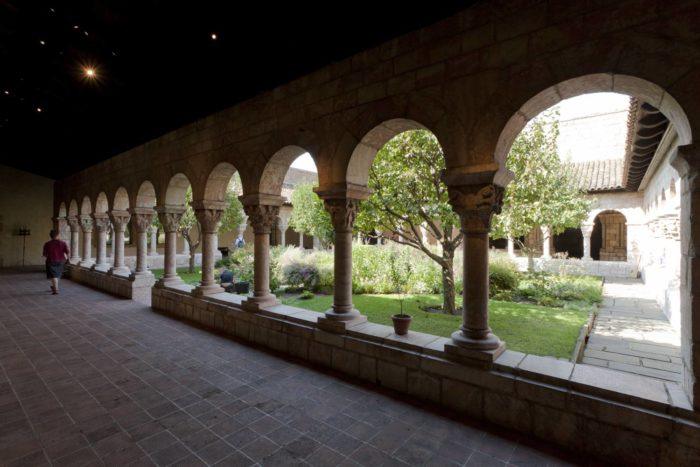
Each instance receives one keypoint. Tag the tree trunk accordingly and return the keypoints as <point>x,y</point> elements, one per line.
<point>190,269</point>
<point>448,280</point>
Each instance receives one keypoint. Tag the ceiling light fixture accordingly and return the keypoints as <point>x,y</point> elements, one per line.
<point>214,36</point>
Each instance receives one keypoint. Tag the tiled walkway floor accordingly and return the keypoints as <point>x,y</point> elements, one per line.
<point>632,334</point>
<point>88,379</point>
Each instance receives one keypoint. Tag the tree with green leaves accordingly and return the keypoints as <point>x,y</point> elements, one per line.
<point>309,217</point>
<point>409,197</point>
<point>190,229</point>
<point>543,192</point>
<point>233,214</point>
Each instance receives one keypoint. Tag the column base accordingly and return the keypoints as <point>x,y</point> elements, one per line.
<point>142,279</point>
<point>332,321</point>
<point>164,282</point>
<point>86,263</point>
<point>256,303</point>
<point>74,260</point>
<point>475,352</point>
<point>204,290</point>
<point>120,271</point>
<point>100,267</point>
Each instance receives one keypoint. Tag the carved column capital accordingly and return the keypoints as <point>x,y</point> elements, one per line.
<point>101,222</point>
<point>170,218</point>
<point>476,205</point>
<point>343,212</point>
<point>143,218</point>
<point>262,217</point>
<point>208,214</point>
<point>86,223</point>
<point>74,224</point>
<point>119,220</point>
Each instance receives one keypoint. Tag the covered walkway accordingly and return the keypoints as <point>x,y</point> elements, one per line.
<point>89,379</point>
<point>632,334</point>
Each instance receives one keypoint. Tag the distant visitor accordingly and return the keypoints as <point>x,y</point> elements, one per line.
<point>56,253</point>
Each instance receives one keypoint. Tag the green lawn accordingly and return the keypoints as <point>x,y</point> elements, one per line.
<point>188,278</point>
<point>527,328</point>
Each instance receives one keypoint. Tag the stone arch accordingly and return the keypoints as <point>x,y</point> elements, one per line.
<point>609,237</point>
<point>146,195</point>
<point>276,169</point>
<point>644,90</point>
<point>357,172</point>
<point>218,181</point>
<point>101,204</point>
<point>86,206</point>
<point>176,190</point>
<point>73,208</point>
<point>121,199</point>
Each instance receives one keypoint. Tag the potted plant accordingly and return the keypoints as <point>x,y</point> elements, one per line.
<point>401,321</point>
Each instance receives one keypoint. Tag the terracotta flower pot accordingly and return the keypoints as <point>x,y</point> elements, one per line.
<point>401,324</point>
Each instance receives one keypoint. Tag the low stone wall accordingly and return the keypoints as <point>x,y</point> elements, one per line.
<point>613,416</point>
<point>135,288</point>
<point>576,266</point>
<point>156,261</point>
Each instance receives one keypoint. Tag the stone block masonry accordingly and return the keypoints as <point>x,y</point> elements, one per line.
<point>627,418</point>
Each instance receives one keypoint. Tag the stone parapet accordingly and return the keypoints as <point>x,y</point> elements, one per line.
<point>613,416</point>
<point>121,285</point>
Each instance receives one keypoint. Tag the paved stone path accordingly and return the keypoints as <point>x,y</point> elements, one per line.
<point>632,334</point>
<point>89,379</point>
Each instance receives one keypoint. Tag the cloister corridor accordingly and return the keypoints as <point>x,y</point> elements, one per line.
<point>90,379</point>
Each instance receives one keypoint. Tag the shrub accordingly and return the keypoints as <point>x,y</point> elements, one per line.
<point>503,274</point>
<point>306,295</point>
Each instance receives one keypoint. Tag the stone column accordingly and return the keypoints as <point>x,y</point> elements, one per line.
<point>511,247</point>
<point>153,247</point>
<point>301,240</point>
<point>262,211</point>
<point>208,214</point>
<point>546,242</point>
<point>317,243</point>
<point>170,219</point>
<point>587,231</point>
<point>110,236</point>
<point>283,231</point>
<point>101,222</point>
<point>687,162</point>
<point>185,247</point>
<point>86,226</point>
<point>342,205</point>
<point>120,219</point>
<point>476,204</point>
<point>74,225</point>
<point>142,217</point>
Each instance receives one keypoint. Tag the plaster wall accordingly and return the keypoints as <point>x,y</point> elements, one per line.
<point>26,201</point>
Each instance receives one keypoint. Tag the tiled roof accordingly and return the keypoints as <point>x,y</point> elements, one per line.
<point>296,177</point>
<point>600,175</point>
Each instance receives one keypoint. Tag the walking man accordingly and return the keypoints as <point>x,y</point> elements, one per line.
<point>56,253</point>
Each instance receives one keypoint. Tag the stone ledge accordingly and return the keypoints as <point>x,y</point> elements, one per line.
<point>573,405</point>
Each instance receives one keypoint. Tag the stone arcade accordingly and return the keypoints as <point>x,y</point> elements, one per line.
<point>474,80</point>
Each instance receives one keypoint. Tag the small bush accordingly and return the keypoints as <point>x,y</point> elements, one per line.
<point>503,275</point>
<point>306,295</point>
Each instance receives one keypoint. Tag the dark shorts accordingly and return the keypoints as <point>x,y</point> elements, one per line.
<point>54,270</point>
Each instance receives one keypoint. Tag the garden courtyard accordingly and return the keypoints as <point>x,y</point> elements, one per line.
<point>537,313</point>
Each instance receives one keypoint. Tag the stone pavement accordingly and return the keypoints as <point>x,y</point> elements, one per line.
<point>89,379</point>
<point>632,334</point>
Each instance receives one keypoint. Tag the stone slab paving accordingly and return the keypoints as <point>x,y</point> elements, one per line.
<point>632,334</point>
<point>90,379</point>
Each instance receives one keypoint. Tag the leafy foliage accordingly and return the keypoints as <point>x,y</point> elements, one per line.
<point>543,192</point>
<point>190,229</point>
<point>408,195</point>
<point>309,216</point>
<point>233,215</point>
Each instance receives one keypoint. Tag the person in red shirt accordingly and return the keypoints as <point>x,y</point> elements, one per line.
<point>56,253</point>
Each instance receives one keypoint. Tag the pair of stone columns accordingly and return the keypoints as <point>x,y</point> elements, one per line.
<point>169,217</point>
<point>101,225</point>
<point>74,225</point>
<point>120,219</point>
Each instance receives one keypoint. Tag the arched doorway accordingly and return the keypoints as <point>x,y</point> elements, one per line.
<point>609,238</point>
